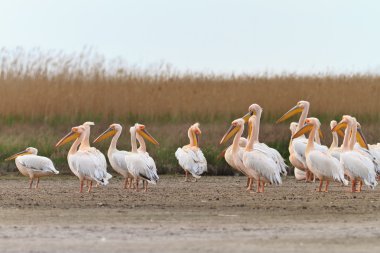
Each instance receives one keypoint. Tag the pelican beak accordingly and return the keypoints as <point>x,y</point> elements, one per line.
<point>361,139</point>
<point>67,138</point>
<point>248,115</point>
<point>250,130</point>
<point>340,132</point>
<point>196,139</point>
<point>341,125</point>
<point>320,133</point>
<point>296,109</point>
<point>24,152</point>
<point>105,135</point>
<point>147,136</point>
<point>306,128</point>
<point>230,132</point>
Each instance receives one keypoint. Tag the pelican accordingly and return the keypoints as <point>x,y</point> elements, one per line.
<point>298,174</point>
<point>321,163</point>
<point>138,164</point>
<point>190,157</point>
<point>265,167</point>
<point>357,166</point>
<point>116,157</point>
<point>237,129</point>
<point>142,149</point>
<point>298,158</point>
<point>334,149</point>
<point>32,165</point>
<point>84,162</point>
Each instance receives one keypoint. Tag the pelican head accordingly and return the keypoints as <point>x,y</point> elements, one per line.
<point>73,135</point>
<point>141,130</point>
<point>27,151</point>
<point>111,131</point>
<point>346,119</point>
<point>301,105</point>
<point>194,133</point>
<point>293,127</point>
<point>234,128</point>
<point>309,124</point>
<point>360,136</point>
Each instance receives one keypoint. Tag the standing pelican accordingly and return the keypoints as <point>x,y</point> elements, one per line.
<point>84,163</point>
<point>298,174</point>
<point>237,129</point>
<point>190,157</point>
<point>298,158</point>
<point>264,165</point>
<point>142,149</point>
<point>116,157</point>
<point>357,166</point>
<point>138,164</point>
<point>321,163</point>
<point>33,166</point>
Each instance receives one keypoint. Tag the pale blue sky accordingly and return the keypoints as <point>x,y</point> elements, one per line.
<point>301,36</point>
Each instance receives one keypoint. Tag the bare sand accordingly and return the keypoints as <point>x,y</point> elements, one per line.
<point>215,214</point>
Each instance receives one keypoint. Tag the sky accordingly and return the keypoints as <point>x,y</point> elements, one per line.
<point>220,36</point>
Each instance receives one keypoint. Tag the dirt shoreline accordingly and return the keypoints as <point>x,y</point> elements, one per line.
<point>213,215</point>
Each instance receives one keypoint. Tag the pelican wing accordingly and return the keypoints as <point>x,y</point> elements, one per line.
<point>37,163</point>
<point>299,147</point>
<point>358,165</point>
<point>322,163</point>
<point>90,165</point>
<point>274,155</point>
<point>192,161</point>
<point>140,166</point>
<point>263,165</point>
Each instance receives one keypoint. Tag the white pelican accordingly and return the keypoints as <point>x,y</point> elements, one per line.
<point>84,163</point>
<point>33,166</point>
<point>265,166</point>
<point>142,149</point>
<point>321,163</point>
<point>237,129</point>
<point>190,157</point>
<point>334,149</point>
<point>138,164</point>
<point>298,158</point>
<point>298,174</point>
<point>356,166</point>
<point>116,157</point>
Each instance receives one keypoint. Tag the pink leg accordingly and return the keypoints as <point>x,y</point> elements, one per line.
<point>30,183</point>
<point>81,186</point>
<point>38,181</point>
<point>327,186</point>
<point>90,188</point>
<point>320,185</point>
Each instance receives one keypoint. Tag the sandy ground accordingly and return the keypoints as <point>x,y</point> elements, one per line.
<point>215,214</point>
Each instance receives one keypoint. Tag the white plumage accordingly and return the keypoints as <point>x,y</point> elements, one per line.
<point>192,160</point>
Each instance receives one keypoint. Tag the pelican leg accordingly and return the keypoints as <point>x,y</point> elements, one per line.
<point>248,181</point>
<point>145,186</point>
<point>186,176</point>
<point>258,186</point>
<point>360,185</point>
<point>327,186</point>
<point>87,183</point>
<point>262,187</point>
<point>90,188</point>
<point>136,184</point>
<point>249,184</point>
<point>38,181</point>
<point>353,185</point>
<point>126,183</point>
<point>320,185</point>
<point>81,186</point>
<point>195,180</point>
<point>30,183</point>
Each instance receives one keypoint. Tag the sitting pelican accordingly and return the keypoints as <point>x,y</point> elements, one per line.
<point>32,165</point>
<point>298,158</point>
<point>138,164</point>
<point>190,157</point>
<point>84,163</point>
<point>321,163</point>
<point>116,157</point>
<point>356,166</point>
<point>261,162</point>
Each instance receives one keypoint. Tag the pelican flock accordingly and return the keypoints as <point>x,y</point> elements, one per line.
<point>353,162</point>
